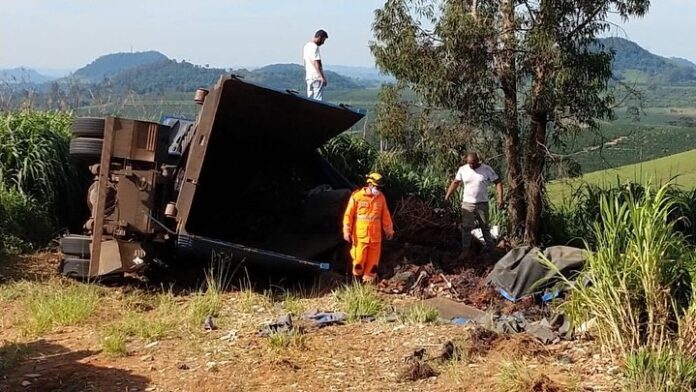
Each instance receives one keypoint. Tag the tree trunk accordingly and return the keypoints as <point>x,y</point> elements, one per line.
<point>534,177</point>
<point>507,71</point>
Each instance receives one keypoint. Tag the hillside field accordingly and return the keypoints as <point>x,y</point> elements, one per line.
<point>679,168</point>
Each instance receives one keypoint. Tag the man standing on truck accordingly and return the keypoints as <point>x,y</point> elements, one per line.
<point>314,70</point>
<point>475,176</point>
<point>366,216</point>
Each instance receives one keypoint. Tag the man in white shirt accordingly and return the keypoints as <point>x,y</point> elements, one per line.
<point>475,177</point>
<point>314,71</point>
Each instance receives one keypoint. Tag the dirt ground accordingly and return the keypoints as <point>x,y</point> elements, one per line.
<point>368,356</point>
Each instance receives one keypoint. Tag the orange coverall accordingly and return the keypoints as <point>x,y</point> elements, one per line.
<point>363,221</point>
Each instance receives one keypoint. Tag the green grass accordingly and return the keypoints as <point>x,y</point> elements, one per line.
<point>660,372</point>
<point>640,286</point>
<point>420,313</point>
<point>358,301</point>
<point>113,342</point>
<point>283,340</point>
<point>57,305</point>
<point>292,304</point>
<point>679,167</point>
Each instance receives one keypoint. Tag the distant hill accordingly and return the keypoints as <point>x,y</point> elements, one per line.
<point>112,64</point>
<point>23,75</point>
<point>682,62</point>
<point>292,76</point>
<point>170,75</point>
<point>370,75</point>
<point>633,63</point>
<point>164,76</point>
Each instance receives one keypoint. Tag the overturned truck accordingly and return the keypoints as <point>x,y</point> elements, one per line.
<point>245,179</point>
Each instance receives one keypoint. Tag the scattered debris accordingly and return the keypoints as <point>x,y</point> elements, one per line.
<point>26,383</point>
<point>182,366</point>
<point>151,344</point>
<point>417,368</point>
<point>521,273</point>
<point>208,324</point>
<point>147,358</point>
<point>230,336</point>
<point>544,384</point>
<point>282,324</point>
<point>481,340</point>
<point>449,351</point>
<point>325,319</point>
<point>286,364</point>
<point>32,375</point>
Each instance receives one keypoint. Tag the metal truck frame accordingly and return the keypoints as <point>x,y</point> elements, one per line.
<point>159,188</point>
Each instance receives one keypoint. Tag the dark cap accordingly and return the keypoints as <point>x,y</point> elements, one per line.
<point>321,34</point>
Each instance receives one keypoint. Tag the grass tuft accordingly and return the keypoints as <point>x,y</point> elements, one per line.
<point>420,313</point>
<point>358,301</point>
<point>660,372</point>
<point>57,305</point>
<point>113,342</point>
<point>283,340</point>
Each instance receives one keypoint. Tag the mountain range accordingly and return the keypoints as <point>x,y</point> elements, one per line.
<point>152,71</point>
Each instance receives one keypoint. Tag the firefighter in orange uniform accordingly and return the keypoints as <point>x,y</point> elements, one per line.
<point>366,216</point>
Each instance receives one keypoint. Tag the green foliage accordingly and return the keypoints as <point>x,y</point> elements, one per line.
<point>358,301</point>
<point>283,340</point>
<point>24,223</point>
<point>628,56</point>
<point>665,371</point>
<point>40,186</point>
<point>111,64</point>
<point>34,154</point>
<point>636,285</point>
<point>113,342</point>
<point>59,305</point>
<point>420,313</point>
<point>351,155</point>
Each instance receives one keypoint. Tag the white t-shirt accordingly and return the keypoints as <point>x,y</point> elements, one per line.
<point>311,54</point>
<point>475,182</point>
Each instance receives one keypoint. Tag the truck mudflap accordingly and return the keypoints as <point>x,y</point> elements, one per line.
<point>197,245</point>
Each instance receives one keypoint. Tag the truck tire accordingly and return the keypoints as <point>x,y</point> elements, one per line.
<point>76,245</point>
<point>86,148</point>
<point>75,267</point>
<point>88,127</point>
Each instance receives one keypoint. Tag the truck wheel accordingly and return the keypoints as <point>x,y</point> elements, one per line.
<point>86,148</point>
<point>76,245</point>
<point>74,267</point>
<point>88,127</point>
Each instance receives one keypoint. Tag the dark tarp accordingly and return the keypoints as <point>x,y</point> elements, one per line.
<point>520,272</point>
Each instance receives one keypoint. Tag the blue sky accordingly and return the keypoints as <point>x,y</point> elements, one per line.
<point>67,34</point>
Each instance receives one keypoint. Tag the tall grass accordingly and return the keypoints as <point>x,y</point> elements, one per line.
<point>666,371</point>
<point>40,186</point>
<point>24,222</point>
<point>34,154</point>
<point>636,285</point>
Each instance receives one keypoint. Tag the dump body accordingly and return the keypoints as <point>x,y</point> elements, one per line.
<point>244,179</point>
